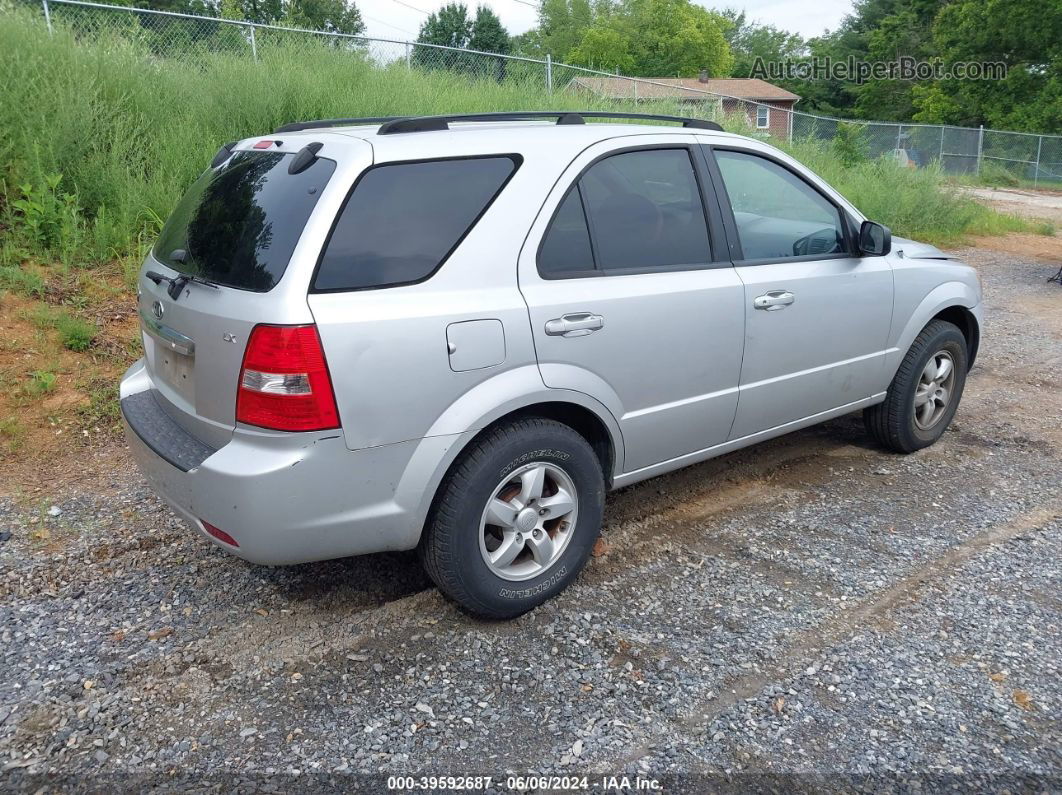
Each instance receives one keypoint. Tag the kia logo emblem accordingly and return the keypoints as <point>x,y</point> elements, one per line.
<point>157,310</point>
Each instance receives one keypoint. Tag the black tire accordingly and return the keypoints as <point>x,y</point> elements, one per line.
<point>450,547</point>
<point>893,422</point>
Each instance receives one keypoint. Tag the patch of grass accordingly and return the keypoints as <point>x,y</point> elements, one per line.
<point>12,432</point>
<point>76,334</point>
<point>102,411</point>
<point>21,280</point>
<point>996,175</point>
<point>41,382</point>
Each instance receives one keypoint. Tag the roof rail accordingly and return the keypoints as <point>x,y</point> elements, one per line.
<point>433,123</point>
<point>390,125</point>
<point>296,126</point>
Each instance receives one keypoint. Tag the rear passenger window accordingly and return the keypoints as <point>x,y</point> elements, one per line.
<point>644,211</point>
<point>566,248</point>
<point>403,220</point>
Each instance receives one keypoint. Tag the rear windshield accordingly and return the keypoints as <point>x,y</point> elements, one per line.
<point>404,219</point>
<point>239,223</point>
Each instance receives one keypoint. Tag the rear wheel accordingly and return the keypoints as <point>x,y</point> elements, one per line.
<point>925,392</point>
<point>516,518</point>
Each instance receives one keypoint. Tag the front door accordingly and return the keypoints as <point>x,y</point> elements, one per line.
<point>817,314</point>
<point>627,302</point>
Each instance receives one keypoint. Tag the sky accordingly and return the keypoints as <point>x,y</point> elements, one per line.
<point>401,19</point>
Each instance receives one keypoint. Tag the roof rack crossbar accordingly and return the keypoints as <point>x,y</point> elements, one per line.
<point>433,123</point>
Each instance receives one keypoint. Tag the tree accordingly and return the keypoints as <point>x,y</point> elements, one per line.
<point>605,49</point>
<point>647,38</point>
<point>447,27</point>
<point>561,25</point>
<point>334,16</point>
<point>677,38</point>
<point>451,26</point>
<point>1023,35</point>
<point>488,33</point>
<point>751,40</point>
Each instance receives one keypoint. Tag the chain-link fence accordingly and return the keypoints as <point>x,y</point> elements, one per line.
<point>1010,157</point>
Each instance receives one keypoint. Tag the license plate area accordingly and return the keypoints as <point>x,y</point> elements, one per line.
<point>177,371</point>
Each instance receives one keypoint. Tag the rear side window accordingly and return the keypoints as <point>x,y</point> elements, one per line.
<point>403,220</point>
<point>637,211</point>
<point>239,223</point>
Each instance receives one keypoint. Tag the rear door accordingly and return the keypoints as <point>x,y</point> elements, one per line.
<point>240,228</point>
<point>817,314</point>
<point>630,303</point>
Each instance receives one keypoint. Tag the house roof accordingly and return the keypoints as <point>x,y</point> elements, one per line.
<point>685,87</point>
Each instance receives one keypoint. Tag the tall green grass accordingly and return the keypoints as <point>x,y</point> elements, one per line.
<point>104,137</point>
<point>915,203</point>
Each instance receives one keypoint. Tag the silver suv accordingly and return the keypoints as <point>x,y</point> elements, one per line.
<point>455,334</point>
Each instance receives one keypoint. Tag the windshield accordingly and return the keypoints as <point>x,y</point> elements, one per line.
<point>239,223</point>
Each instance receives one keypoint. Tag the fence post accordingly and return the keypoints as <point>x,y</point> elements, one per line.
<point>254,45</point>
<point>1039,148</point>
<point>409,56</point>
<point>980,148</point>
<point>47,15</point>
<point>549,73</point>
<point>940,155</point>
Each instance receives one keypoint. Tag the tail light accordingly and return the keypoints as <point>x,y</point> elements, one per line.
<point>284,381</point>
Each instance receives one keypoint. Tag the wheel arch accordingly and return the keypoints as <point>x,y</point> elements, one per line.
<point>518,394</point>
<point>955,302</point>
<point>959,315</point>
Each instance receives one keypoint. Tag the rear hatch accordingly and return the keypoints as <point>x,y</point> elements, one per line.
<point>238,250</point>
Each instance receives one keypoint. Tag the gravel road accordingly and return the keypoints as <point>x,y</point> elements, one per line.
<point>812,607</point>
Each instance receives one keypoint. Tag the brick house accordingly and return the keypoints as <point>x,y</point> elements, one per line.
<point>767,107</point>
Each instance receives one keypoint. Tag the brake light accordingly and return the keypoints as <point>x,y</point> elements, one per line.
<point>284,382</point>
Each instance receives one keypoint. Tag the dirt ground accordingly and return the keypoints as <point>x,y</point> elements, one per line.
<point>810,607</point>
<point>1042,204</point>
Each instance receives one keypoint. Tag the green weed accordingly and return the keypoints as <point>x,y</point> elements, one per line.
<point>107,135</point>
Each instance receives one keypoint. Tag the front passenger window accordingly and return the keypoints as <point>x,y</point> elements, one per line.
<point>778,215</point>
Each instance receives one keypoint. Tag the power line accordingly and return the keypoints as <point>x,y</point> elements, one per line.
<point>388,24</point>
<point>413,8</point>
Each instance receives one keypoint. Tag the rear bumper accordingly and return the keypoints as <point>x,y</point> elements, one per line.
<point>284,498</point>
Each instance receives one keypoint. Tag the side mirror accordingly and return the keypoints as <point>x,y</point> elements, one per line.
<point>875,240</point>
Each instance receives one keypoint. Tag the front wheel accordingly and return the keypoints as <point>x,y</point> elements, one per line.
<point>925,391</point>
<point>515,520</point>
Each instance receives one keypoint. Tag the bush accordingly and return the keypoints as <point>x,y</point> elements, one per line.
<point>850,144</point>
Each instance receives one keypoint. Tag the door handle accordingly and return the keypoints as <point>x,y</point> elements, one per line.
<point>774,300</point>
<point>575,324</point>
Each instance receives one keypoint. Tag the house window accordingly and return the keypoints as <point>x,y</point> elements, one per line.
<point>763,117</point>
